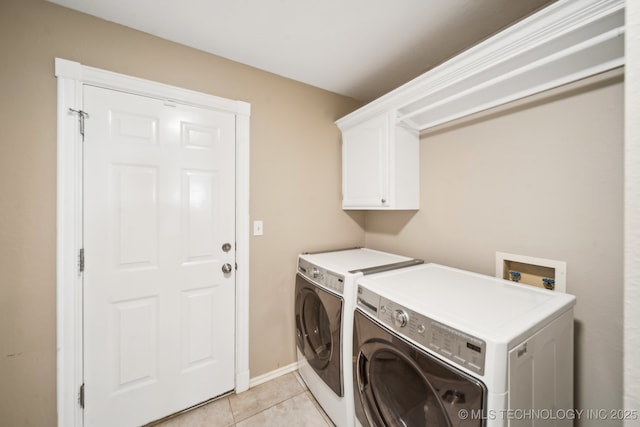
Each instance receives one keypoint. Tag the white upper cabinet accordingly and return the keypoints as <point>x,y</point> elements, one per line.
<point>380,165</point>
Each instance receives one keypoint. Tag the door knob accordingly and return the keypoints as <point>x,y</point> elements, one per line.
<point>226,268</point>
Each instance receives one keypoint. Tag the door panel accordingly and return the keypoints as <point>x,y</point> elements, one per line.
<point>134,215</point>
<point>198,328</point>
<point>135,342</point>
<point>159,203</point>
<point>199,214</point>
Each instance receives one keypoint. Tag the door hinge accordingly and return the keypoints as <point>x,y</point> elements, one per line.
<point>81,260</point>
<point>81,396</point>
<point>81,116</point>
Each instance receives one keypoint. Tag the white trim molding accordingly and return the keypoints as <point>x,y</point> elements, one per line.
<point>261,379</point>
<point>562,43</point>
<point>71,77</point>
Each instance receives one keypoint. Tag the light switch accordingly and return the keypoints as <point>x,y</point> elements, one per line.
<point>257,228</point>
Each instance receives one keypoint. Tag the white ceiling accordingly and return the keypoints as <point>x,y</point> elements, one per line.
<point>357,48</point>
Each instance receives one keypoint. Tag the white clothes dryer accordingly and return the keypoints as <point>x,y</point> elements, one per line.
<point>439,346</point>
<point>325,294</point>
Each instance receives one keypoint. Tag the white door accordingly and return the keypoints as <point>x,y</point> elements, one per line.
<point>159,312</point>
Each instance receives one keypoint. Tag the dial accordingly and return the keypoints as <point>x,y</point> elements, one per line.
<point>400,318</point>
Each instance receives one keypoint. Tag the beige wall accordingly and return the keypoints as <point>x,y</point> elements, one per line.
<point>542,179</point>
<point>295,184</point>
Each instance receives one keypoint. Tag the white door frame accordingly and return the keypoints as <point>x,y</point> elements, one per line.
<point>71,77</point>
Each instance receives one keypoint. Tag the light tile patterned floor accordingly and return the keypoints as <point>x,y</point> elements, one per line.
<point>283,401</point>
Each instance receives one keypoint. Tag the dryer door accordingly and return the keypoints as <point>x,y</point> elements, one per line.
<point>318,323</point>
<point>398,384</point>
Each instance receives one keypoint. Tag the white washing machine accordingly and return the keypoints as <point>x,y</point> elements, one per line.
<point>325,297</point>
<point>435,345</point>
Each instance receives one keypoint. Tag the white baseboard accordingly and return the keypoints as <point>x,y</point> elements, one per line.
<point>273,374</point>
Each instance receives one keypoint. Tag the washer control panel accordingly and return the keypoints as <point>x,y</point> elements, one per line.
<point>321,276</point>
<point>452,344</point>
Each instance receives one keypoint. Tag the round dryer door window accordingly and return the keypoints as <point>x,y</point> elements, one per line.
<point>402,394</point>
<point>317,331</point>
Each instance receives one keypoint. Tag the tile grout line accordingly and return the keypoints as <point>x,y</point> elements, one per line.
<point>267,408</point>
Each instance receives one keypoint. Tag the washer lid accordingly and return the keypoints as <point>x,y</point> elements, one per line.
<point>344,261</point>
<point>484,306</point>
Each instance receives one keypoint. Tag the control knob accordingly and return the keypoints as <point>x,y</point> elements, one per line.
<point>400,318</point>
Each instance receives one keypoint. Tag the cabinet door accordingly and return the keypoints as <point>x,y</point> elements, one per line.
<point>365,166</point>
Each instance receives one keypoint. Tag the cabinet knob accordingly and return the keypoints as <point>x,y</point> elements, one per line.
<point>383,201</point>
